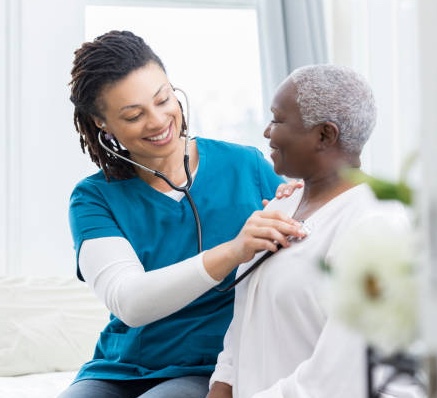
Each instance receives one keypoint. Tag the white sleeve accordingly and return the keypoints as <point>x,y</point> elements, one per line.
<point>112,269</point>
<point>223,369</point>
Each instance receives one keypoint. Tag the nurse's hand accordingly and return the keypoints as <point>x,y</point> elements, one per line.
<point>286,189</point>
<point>263,230</point>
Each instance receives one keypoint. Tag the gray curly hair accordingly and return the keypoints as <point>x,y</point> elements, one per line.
<point>339,95</point>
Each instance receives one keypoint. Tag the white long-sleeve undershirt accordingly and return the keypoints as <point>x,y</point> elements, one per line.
<point>112,269</point>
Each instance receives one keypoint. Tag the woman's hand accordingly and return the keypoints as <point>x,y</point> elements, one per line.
<point>285,189</point>
<point>220,390</point>
<point>263,230</point>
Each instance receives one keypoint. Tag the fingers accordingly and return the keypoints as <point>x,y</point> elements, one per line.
<point>286,189</point>
<point>264,230</point>
<point>277,227</point>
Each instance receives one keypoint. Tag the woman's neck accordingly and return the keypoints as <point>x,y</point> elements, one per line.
<point>174,170</point>
<point>319,192</point>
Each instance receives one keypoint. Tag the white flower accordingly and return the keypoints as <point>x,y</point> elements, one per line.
<point>374,286</point>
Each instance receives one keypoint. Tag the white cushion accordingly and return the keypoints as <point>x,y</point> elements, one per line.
<point>47,324</point>
<point>37,385</point>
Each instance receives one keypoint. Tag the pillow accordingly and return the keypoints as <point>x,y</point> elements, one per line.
<point>47,324</point>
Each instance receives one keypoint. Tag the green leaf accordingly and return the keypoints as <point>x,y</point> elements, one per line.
<point>324,266</point>
<point>383,189</point>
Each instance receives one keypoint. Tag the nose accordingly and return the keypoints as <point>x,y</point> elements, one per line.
<point>155,119</point>
<point>267,131</point>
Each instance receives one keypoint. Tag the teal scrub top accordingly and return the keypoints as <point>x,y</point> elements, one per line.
<point>229,185</point>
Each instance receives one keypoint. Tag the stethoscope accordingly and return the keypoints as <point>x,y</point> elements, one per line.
<point>260,260</point>
<point>185,189</point>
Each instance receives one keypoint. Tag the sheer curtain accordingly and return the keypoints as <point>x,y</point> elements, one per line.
<point>427,34</point>
<point>291,34</point>
<point>379,39</point>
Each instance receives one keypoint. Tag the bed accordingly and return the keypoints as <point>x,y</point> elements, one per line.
<point>48,328</point>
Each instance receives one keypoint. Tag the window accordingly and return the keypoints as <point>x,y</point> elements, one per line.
<point>210,53</point>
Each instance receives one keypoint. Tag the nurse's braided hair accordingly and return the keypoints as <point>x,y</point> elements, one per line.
<point>98,64</point>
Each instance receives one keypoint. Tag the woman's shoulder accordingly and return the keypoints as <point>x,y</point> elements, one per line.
<point>224,153</point>
<point>98,181</point>
<point>362,206</point>
<point>225,146</point>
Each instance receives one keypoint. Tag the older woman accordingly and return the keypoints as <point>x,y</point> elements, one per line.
<point>281,341</point>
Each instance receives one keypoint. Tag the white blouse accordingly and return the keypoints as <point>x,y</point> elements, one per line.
<point>281,342</point>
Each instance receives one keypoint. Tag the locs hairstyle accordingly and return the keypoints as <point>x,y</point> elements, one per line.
<point>97,64</point>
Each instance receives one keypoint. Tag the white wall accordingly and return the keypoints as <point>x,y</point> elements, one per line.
<point>39,166</point>
<point>3,127</point>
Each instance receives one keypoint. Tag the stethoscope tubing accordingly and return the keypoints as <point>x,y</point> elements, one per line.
<point>246,273</point>
<point>260,260</point>
<point>185,189</point>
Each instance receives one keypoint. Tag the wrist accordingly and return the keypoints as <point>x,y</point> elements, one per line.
<point>220,261</point>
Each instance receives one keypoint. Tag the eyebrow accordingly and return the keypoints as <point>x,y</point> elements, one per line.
<point>154,96</point>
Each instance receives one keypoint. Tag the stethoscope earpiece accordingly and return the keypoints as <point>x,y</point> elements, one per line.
<point>187,107</point>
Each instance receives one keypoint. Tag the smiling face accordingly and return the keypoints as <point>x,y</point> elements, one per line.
<point>293,146</point>
<point>143,113</point>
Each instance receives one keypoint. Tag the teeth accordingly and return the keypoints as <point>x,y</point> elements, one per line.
<point>160,136</point>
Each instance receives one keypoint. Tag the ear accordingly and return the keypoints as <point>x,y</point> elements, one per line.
<point>100,124</point>
<point>329,134</point>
